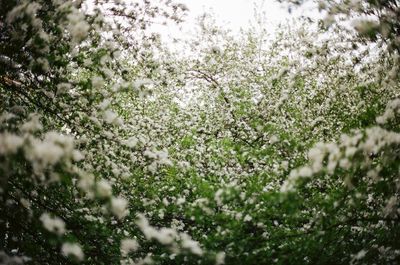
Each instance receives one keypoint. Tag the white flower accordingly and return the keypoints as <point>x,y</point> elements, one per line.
<point>140,83</point>
<point>274,139</point>
<point>50,151</point>
<point>165,201</point>
<point>128,245</point>
<point>104,189</point>
<point>9,143</point>
<point>218,196</point>
<point>44,63</point>
<point>78,27</point>
<point>150,154</point>
<point>77,156</point>
<point>247,218</point>
<point>162,156</point>
<point>163,235</point>
<point>111,117</point>
<point>63,87</point>
<point>285,165</point>
<point>54,225</point>
<point>119,207</point>
<point>345,163</point>
<point>350,151</point>
<point>32,125</point>
<point>215,50</point>
<point>391,206</point>
<point>131,142</point>
<point>191,245</point>
<point>104,104</point>
<point>361,254</point>
<point>47,152</point>
<point>29,9</point>
<point>220,258</point>
<point>180,201</point>
<point>24,202</point>
<point>72,249</point>
<point>305,172</point>
<point>86,182</point>
<point>97,82</point>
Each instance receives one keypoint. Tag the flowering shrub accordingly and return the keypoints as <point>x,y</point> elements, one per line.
<point>249,149</point>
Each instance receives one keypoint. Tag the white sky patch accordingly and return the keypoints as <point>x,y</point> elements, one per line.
<point>229,14</point>
<point>235,15</point>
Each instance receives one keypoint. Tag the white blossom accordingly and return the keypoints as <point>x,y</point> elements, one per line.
<point>128,245</point>
<point>220,258</point>
<point>119,207</point>
<point>72,249</point>
<point>10,143</point>
<point>53,224</point>
<point>104,189</point>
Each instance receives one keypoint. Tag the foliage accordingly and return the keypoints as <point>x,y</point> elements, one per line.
<point>249,149</point>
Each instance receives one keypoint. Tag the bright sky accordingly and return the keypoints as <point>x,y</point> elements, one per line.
<point>236,14</point>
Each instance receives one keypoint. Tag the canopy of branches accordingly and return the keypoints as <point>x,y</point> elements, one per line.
<point>254,148</point>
